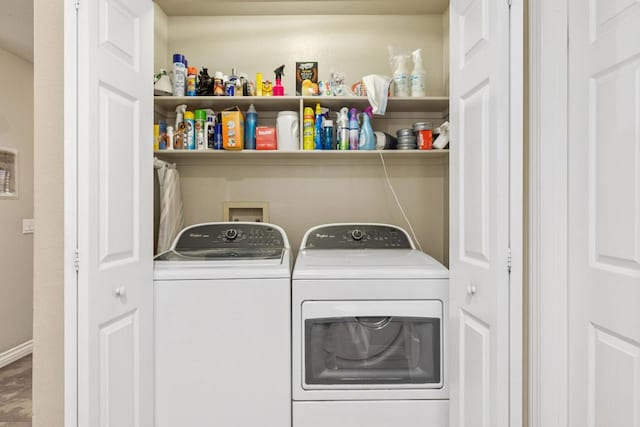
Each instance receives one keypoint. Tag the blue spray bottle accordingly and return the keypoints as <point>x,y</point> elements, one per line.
<point>367,137</point>
<point>250,124</point>
<point>354,129</point>
<point>317,132</point>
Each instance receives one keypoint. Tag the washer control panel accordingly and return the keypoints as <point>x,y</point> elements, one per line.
<point>230,236</point>
<point>357,236</point>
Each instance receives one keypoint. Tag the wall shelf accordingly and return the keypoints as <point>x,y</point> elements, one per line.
<point>280,103</point>
<point>173,155</point>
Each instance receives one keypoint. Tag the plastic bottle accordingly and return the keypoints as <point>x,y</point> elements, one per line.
<point>258,84</point>
<point>328,135</point>
<point>190,134</point>
<point>156,137</point>
<point>317,133</point>
<point>170,140</point>
<point>163,135</point>
<point>418,75</point>
<point>342,137</point>
<point>354,130</point>
<point>367,137</point>
<point>278,89</point>
<point>250,123</point>
<point>401,75</point>
<point>307,129</point>
<point>179,75</point>
<point>201,138</point>
<point>192,73</point>
<point>218,84</point>
<point>210,128</point>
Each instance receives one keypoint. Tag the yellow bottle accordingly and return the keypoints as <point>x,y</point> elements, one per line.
<point>307,129</point>
<point>156,137</point>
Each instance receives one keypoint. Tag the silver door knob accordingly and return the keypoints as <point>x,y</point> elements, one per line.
<point>471,290</point>
<point>120,292</point>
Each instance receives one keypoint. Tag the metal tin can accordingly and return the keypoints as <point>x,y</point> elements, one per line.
<point>229,88</point>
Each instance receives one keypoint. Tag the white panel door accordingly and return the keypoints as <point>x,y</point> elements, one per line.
<point>479,206</point>
<point>604,213</point>
<point>115,237</point>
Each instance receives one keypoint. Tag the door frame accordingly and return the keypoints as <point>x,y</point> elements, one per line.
<point>70,214</point>
<point>548,210</point>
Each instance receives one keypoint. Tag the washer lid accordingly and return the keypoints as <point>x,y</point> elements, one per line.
<point>367,264</point>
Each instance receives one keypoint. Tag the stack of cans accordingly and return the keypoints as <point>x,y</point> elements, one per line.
<point>406,139</point>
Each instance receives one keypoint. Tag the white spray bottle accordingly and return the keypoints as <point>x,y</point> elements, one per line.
<point>180,128</point>
<point>210,128</point>
<point>342,139</point>
<point>418,75</point>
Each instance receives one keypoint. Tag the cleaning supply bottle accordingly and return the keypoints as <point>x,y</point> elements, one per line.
<point>317,134</point>
<point>401,75</point>
<point>250,123</point>
<point>192,73</point>
<point>342,137</point>
<point>180,128</point>
<point>367,137</point>
<point>210,128</point>
<point>278,89</point>
<point>179,75</point>
<point>258,84</point>
<point>354,129</point>
<point>200,119</point>
<point>307,129</point>
<point>328,135</point>
<point>170,140</point>
<point>418,75</point>
<point>190,134</point>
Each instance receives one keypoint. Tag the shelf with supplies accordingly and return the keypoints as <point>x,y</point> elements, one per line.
<point>167,104</point>
<point>266,156</point>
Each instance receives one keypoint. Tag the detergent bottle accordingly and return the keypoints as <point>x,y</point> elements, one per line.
<point>250,124</point>
<point>367,137</point>
<point>354,129</point>
<point>342,136</point>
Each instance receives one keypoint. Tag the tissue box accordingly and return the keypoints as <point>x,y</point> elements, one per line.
<point>266,138</point>
<point>232,129</point>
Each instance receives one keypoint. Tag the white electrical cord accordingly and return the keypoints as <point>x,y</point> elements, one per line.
<point>395,196</point>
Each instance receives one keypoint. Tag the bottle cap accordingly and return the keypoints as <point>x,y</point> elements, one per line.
<point>328,123</point>
<point>308,113</point>
<point>192,70</point>
<point>252,109</point>
<point>177,57</point>
<point>189,115</point>
<point>201,115</point>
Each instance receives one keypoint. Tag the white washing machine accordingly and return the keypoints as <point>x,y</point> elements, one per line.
<point>223,327</point>
<point>369,315</point>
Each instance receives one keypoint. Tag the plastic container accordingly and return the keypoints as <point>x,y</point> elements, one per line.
<point>342,136</point>
<point>192,74</point>
<point>367,137</point>
<point>156,137</point>
<point>328,135</point>
<point>288,130</point>
<point>307,129</point>
<point>354,130</point>
<point>317,133</point>
<point>170,138</point>
<point>418,75</point>
<point>179,75</point>
<point>424,135</point>
<point>200,120</point>
<point>190,131</point>
<point>250,123</point>
<point>218,84</point>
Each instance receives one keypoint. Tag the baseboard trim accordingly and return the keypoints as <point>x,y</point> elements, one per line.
<point>15,353</point>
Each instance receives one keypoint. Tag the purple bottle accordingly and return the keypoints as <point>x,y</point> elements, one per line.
<point>354,130</point>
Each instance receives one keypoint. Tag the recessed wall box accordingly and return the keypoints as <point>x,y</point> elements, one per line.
<point>246,211</point>
<point>8,173</point>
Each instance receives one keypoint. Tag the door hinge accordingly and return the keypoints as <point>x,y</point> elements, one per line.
<point>510,2</point>
<point>76,260</point>
<point>509,260</point>
<point>78,4</point>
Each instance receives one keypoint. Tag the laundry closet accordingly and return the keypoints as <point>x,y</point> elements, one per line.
<point>307,188</point>
<point>464,203</point>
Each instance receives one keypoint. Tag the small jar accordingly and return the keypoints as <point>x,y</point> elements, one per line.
<point>424,135</point>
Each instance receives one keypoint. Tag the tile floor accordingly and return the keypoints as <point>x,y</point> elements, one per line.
<point>15,394</point>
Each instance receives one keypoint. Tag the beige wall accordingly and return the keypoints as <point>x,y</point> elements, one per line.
<point>16,262</point>
<point>161,30</point>
<point>220,43</point>
<point>48,333</point>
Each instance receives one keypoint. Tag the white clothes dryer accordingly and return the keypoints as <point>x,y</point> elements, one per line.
<point>369,321</point>
<point>223,327</point>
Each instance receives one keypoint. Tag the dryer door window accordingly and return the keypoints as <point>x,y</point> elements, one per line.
<point>369,349</point>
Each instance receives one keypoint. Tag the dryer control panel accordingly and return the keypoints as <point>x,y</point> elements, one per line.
<point>230,235</point>
<point>357,236</point>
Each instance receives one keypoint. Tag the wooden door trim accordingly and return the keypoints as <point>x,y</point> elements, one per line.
<point>548,213</point>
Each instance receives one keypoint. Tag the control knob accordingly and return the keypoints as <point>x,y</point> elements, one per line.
<point>357,235</point>
<point>231,234</point>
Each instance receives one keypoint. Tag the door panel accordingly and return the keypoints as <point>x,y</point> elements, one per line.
<point>479,291</point>
<point>604,213</point>
<point>115,292</point>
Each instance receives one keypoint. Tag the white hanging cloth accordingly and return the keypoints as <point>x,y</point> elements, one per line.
<point>171,211</point>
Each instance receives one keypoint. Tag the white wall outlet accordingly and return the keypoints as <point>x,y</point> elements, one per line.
<point>246,211</point>
<point>28,226</point>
